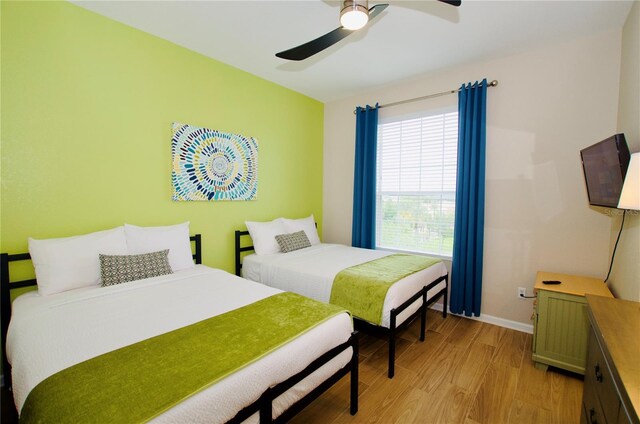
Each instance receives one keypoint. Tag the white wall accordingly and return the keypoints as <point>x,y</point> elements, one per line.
<point>548,105</point>
<point>625,275</point>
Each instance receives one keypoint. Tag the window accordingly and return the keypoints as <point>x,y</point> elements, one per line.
<point>416,183</point>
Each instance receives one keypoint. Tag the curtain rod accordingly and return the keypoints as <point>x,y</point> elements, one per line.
<point>429,96</point>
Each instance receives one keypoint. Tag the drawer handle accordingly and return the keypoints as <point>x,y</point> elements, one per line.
<point>592,416</point>
<point>598,373</point>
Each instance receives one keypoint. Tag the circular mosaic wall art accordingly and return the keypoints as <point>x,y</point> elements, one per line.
<point>212,165</point>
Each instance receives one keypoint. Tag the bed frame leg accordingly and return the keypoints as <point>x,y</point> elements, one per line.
<point>392,343</point>
<point>5,310</point>
<point>445,303</point>
<point>266,408</point>
<point>354,374</point>
<point>423,314</point>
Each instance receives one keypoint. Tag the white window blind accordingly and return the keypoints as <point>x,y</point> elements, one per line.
<point>416,183</point>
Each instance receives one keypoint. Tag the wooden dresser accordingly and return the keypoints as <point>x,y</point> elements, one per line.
<point>560,324</point>
<point>612,378</point>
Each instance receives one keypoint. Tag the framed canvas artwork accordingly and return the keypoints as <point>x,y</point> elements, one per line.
<point>213,165</point>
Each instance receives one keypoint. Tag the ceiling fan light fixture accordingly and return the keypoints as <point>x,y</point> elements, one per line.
<point>354,14</point>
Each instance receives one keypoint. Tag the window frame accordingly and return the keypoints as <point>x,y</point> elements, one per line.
<point>423,113</point>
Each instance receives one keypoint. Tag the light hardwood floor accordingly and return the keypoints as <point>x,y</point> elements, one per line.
<point>465,372</point>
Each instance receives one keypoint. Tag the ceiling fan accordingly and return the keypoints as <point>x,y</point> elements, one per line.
<point>354,15</point>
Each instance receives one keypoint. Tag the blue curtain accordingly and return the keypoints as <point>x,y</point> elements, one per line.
<point>468,238</point>
<point>363,231</point>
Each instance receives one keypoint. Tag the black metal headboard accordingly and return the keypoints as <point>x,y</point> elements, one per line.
<point>239,250</point>
<point>5,295</point>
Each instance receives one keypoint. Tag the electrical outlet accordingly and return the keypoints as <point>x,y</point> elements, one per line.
<point>522,292</point>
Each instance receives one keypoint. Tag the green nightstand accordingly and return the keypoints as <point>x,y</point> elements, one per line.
<point>560,322</point>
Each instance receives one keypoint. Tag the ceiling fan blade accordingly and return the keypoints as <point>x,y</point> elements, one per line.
<point>312,47</point>
<point>455,3</point>
<point>375,10</point>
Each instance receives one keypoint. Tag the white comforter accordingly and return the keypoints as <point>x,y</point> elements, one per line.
<point>50,333</point>
<point>311,271</point>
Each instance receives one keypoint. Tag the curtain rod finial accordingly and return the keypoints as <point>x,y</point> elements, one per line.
<point>493,83</point>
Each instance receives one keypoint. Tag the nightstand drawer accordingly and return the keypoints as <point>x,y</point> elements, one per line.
<point>560,324</point>
<point>561,330</point>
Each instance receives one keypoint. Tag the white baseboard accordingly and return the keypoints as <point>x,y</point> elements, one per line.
<point>489,319</point>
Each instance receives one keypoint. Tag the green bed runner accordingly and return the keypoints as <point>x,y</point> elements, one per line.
<point>362,288</point>
<point>139,382</point>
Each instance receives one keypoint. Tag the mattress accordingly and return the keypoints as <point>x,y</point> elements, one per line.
<point>50,333</point>
<point>311,271</point>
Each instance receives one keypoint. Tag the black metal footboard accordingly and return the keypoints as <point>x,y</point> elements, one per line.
<point>264,405</point>
<point>391,332</point>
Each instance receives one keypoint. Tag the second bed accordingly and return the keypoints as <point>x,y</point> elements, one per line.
<point>311,272</point>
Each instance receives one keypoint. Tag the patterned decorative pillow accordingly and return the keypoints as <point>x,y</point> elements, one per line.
<point>116,269</point>
<point>293,241</point>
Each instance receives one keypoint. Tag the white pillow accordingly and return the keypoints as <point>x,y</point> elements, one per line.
<point>152,239</point>
<point>72,262</point>
<point>308,225</point>
<point>264,235</point>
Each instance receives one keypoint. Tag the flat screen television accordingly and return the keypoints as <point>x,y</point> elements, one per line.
<point>605,166</point>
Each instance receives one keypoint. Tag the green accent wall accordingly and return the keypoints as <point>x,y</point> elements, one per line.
<point>87,106</point>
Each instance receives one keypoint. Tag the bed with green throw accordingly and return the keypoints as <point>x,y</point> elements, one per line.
<point>198,345</point>
<point>383,290</point>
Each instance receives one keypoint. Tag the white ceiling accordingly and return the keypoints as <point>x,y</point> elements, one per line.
<point>409,38</point>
